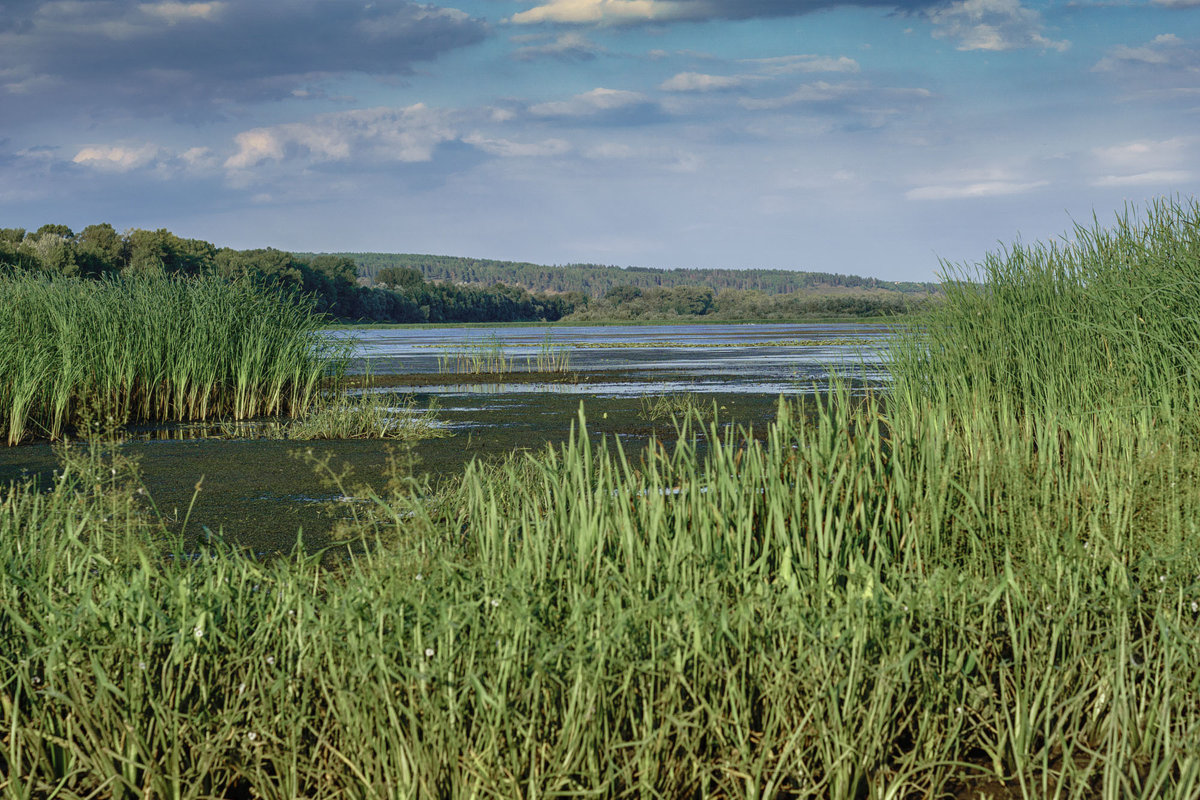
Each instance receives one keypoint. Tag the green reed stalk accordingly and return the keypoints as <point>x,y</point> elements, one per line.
<point>983,582</point>
<point>151,349</point>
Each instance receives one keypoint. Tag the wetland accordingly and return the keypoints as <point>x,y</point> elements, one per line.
<point>263,492</point>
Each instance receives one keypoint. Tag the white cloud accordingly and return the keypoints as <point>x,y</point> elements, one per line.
<point>117,158</point>
<point>1145,153</point>
<point>969,190</point>
<point>596,101</point>
<point>991,25</point>
<point>1164,50</point>
<point>173,12</point>
<point>565,47</point>
<point>785,65</point>
<point>699,82</point>
<point>371,134</point>
<point>604,11</point>
<point>1154,177</point>
<point>819,91</point>
<point>510,149</point>
<point>1144,162</point>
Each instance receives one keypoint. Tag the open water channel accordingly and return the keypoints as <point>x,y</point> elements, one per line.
<point>264,493</point>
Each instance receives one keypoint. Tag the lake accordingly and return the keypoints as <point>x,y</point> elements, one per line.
<point>261,492</point>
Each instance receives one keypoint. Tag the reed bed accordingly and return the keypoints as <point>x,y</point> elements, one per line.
<point>489,356</point>
<point>550,357</point>
<point>151,349</point>
<point>919,595</point>
<point>477,357</point>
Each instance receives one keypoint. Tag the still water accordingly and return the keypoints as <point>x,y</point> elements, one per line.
<point>266,493</point>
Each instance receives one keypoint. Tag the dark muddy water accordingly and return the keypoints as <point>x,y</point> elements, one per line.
<point>266,493</point>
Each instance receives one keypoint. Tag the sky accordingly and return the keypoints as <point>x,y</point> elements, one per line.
<point>875,138</point>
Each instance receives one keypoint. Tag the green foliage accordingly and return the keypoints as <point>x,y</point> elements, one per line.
<point>595,280</point>
<point>368,415</point>
<point>151,349</point>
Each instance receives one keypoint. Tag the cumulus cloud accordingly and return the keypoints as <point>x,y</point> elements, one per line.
<point>506,148</point>
<point>1163,51</point>
<point>597,102</point>
<point>608,11</point>
<point>174,13</point>
<point>377,135</point>
<point>699,82</point>
<point>564,47</point>
<point>991,25</point>
<point>786,65</point>
<point>629,12</point>
<point>865,97</point>
<point>116,158</point>
<point>192,58</point>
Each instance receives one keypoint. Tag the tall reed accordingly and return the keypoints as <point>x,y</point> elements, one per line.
<point>151,349</point>
<point>967,587</point>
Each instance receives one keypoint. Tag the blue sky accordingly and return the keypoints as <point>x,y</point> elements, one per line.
<point>868,137</point>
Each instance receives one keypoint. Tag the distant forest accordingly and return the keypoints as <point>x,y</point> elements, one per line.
<point>380,287</point>
<point>595,280</point>
<point>331,281</point>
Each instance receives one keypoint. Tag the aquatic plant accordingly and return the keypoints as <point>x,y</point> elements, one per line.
<point>681,405</point>
<point>921,594</point>
<point>368,415</point>
<point>152,349</point>
<point>487,356</point>
<point>551,357</point>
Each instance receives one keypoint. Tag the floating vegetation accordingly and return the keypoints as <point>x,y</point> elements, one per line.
<point>369,415</point>
<point>675,405</point>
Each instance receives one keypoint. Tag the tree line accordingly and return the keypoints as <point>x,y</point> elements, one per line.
<point>626,302</point>
<point>595,280</point>
<point>331,281</point>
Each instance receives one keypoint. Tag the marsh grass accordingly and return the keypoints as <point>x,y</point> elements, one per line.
<point>367,415</point>
<point>673,405</point>
<point>487,356</point>
<point>550,357</point>
<point>152,350</point>
<point>923,594</point>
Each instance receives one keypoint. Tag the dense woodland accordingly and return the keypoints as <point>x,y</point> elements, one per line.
<point>376,287</point>
<point>595,280</point>
<point>98,251</point>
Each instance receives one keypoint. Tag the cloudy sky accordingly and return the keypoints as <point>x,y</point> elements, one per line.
<point>867,137</point>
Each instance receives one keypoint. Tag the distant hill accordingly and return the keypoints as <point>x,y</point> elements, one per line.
<point>595,280</point>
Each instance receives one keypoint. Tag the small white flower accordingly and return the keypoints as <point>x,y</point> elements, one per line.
<point>142,665</point>
<point>241,688</point>
<point>291,612</point>
<point>429,652</point>
<point>252,736</point>
<point>958,710</point>
<point>495,603</point>
<point>270,661</point>
<point>1162,578</point>
<point>420,577</point>
<point>197,631</point>
<point>1195,606</point>
<point>1087,545</point>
